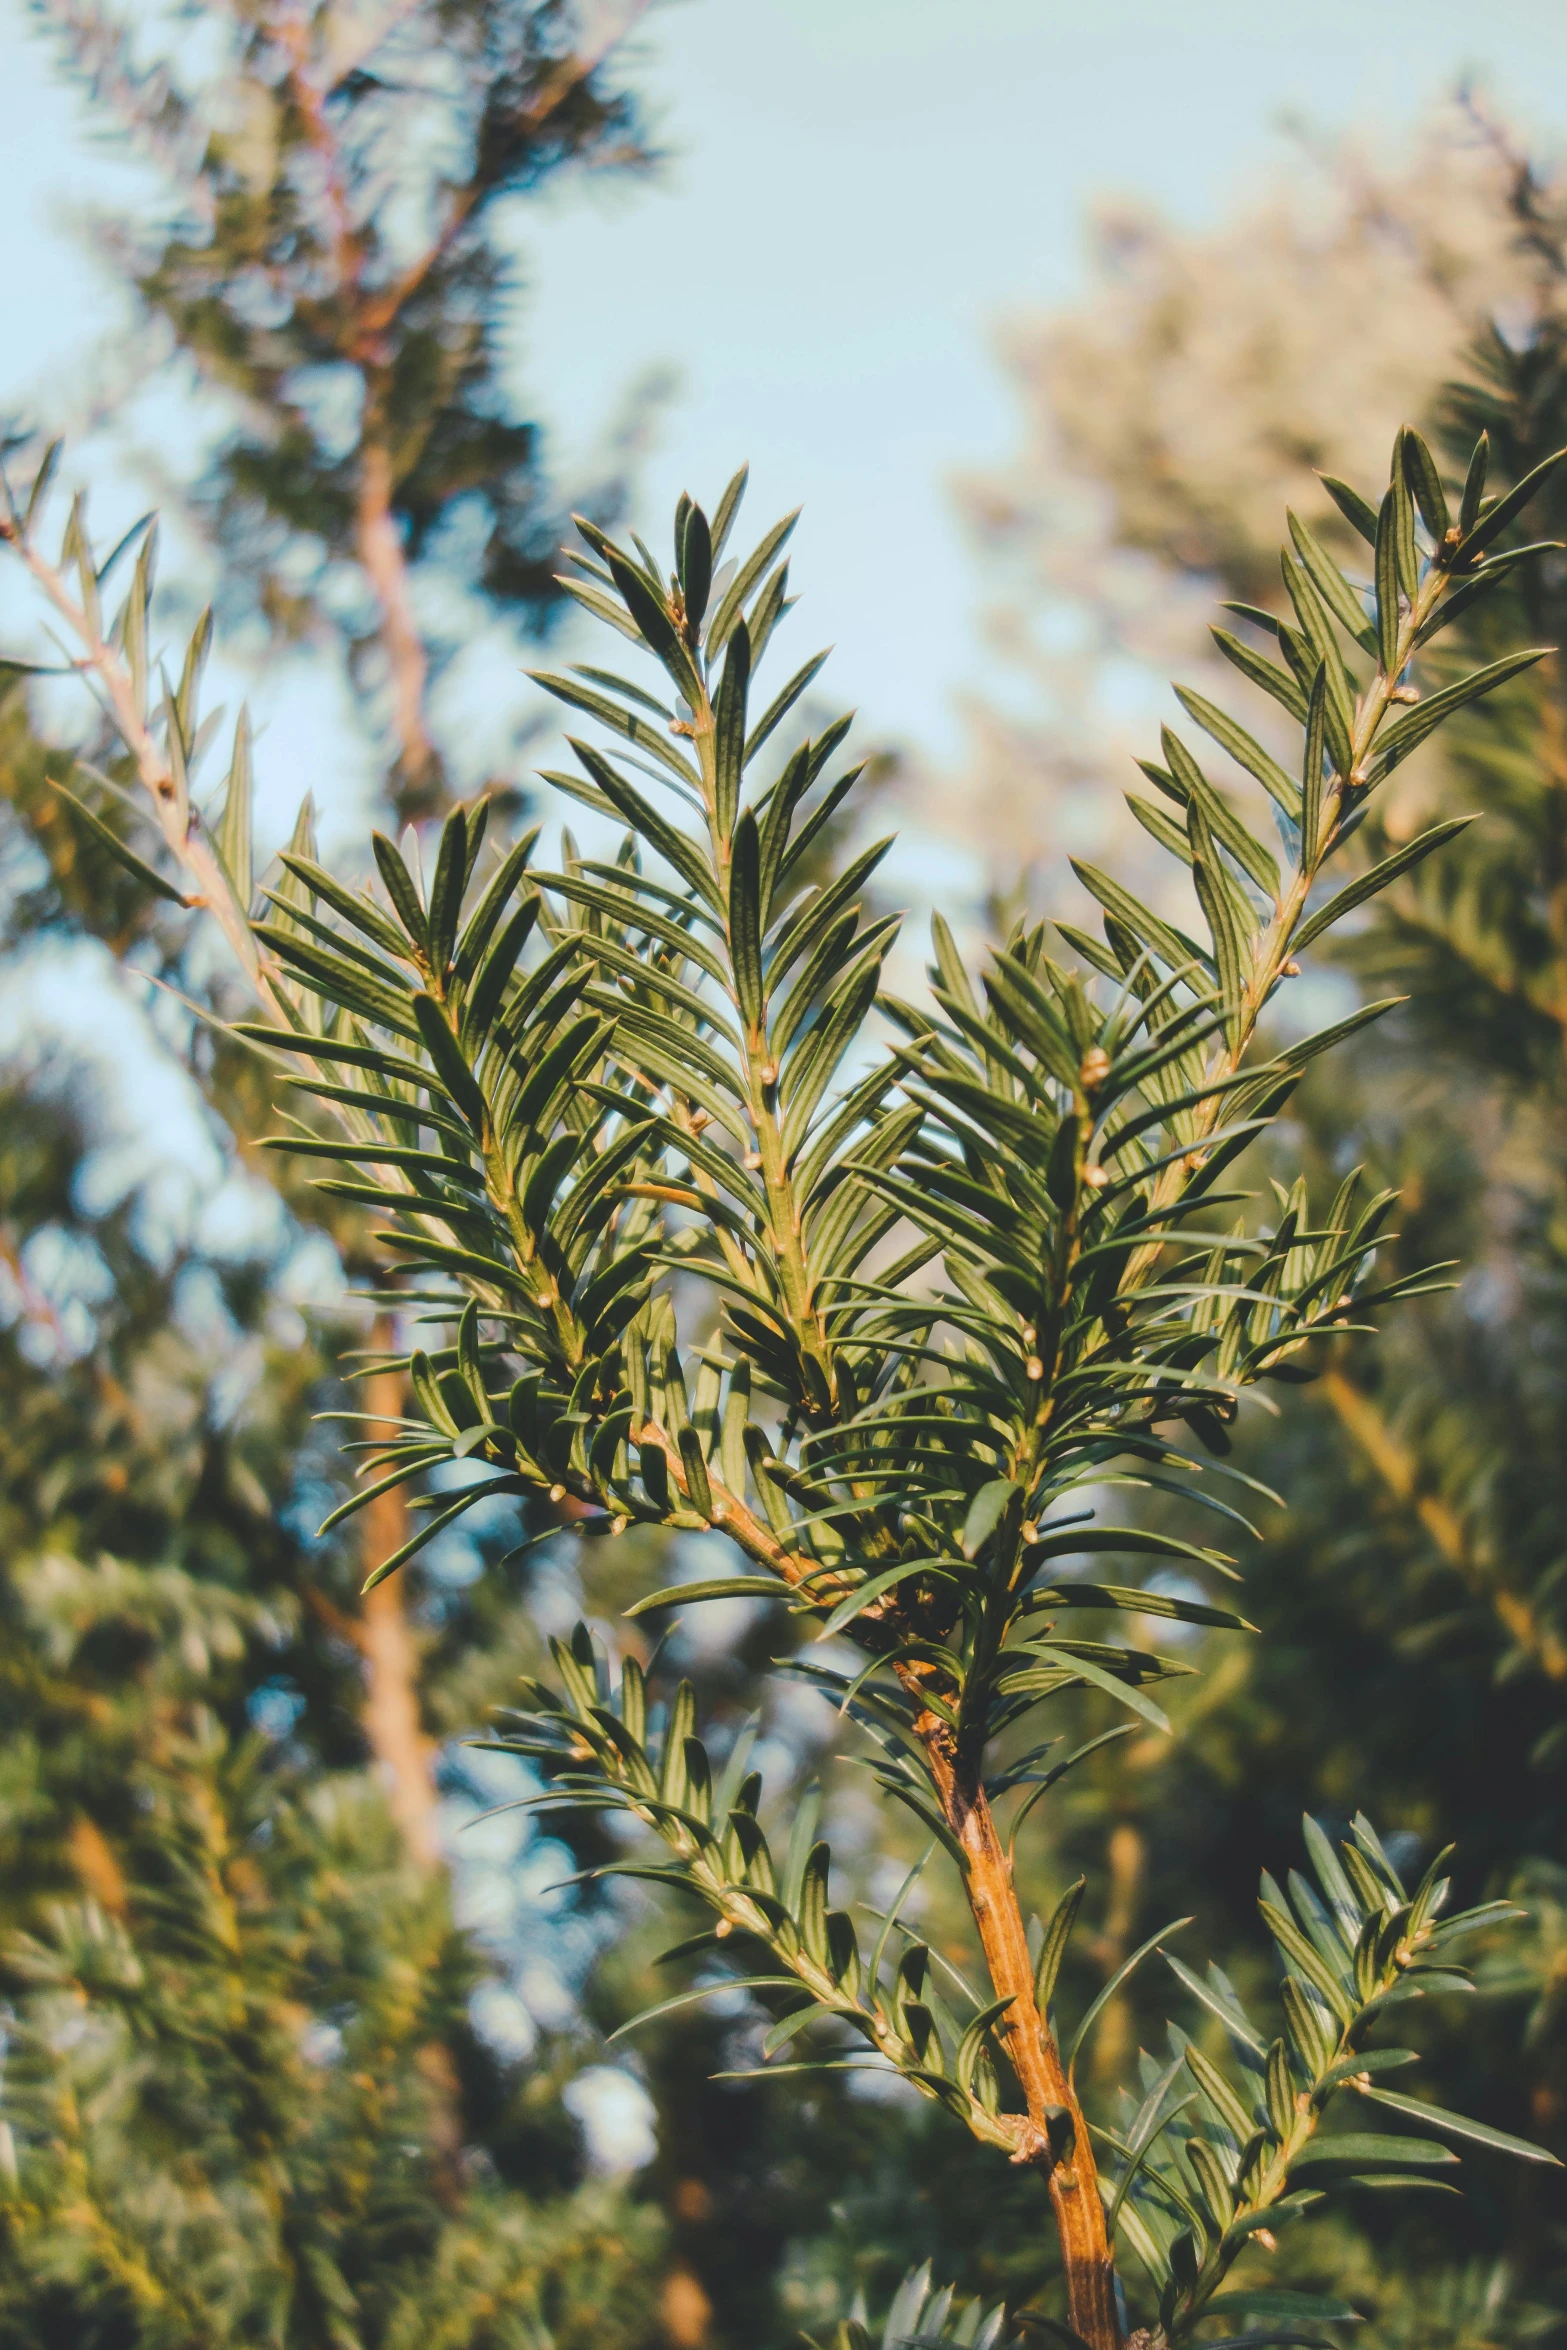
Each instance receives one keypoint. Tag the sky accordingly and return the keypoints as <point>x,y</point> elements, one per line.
<point>860,191</point>
<point>856,194</point>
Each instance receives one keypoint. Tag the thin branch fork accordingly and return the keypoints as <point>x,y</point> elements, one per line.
<point>366,317</point>
<point>177,820</point>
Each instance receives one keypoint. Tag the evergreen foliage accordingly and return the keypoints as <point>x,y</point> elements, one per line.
<point>208,1723</point>
<point>965,1287</point>
<point>242,2098</point>
<point>201,2157</point>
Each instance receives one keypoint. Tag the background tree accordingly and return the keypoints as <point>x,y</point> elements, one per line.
<point>238,2039</point>
<point>218,1766</point>
<point>335,272</point>
<point>1166,419</point>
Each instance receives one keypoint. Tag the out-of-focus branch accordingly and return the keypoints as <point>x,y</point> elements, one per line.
<point>385,562</point>
<point>364,316</point>
<point>381,1633</point>
<point>361,321</point>
<point>1399,1471</point>
<point>177,820</point>
<point>393,1724</point>
<point>569,74</point>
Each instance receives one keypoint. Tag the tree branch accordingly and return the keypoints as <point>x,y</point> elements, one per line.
<point>1399,1471</point>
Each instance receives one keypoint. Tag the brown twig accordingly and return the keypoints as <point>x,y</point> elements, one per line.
<point>364,318</point>
<point>1054,2135</point>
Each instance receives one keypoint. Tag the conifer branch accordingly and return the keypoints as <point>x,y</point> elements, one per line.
<point>955,1291</point>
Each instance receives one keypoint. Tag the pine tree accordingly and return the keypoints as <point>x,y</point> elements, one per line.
<point>963,1292</point>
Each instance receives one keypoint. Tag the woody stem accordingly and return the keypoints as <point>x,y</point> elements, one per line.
<point>1059,2143</point>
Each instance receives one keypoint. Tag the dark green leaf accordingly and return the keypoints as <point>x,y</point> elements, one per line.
<point>1405,553</point>
<point>1397,741</point>
<point>1474,485</point>
<point>1356,510</point>
<point>1458,2125</point>
<point>110,840</point>
<point>1389,616</point>
<point>1053,1947</point>
<point>1362,2151</point>
<point>1331,585</point>
<point>725,1587</point>
<point>450,1067</point>
<point>1282,2302</point>
<point>1496,518</point>
<point>1371,883</point>
<point>401,891</point>
<point>1243,750</point>
<point>729,710</point>
<point>1273,680</point>
<point>1425,484</point>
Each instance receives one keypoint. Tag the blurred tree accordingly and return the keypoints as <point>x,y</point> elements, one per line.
<point>335,276</point>
<point>1205,381</point>
<point>1167,418</point>
<point>237,2047</point>
<point>336,273</point>
<point>219,1813</point>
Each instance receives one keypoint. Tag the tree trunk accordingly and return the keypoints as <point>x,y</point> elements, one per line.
<point>419,789</point>
<point>392,1722</point>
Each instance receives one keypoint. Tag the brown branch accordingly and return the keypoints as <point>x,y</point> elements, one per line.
<point>569,74</point>
<point>359,335</point>
<point>365,319</point>
<point>348,245</point>
<point>1068,2167</point>
<point>385,561</point>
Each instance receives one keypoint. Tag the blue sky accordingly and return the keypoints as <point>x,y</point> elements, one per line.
<point>857,192</point>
